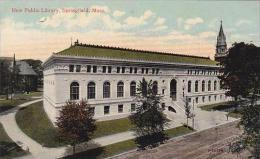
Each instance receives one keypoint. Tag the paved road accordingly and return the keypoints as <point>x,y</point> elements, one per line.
<point>211,143</point>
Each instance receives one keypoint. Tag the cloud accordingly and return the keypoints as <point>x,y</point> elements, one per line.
<point>207,34</point>
<point>135,21</point>
<point>159,21</point>
<point>28,42</point>
<point>179,22</point>
<point>118,13</point>
<point>243,22</point>
<point>189,23</point>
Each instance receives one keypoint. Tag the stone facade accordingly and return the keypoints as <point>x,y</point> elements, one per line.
<point>58,78</point>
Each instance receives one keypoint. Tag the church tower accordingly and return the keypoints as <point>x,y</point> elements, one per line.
<point>221,47</point>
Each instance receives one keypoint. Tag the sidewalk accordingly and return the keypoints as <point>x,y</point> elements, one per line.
<point>39,152</point>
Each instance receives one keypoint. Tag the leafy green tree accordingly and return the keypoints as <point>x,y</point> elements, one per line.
<point>148,120</point>
<point>76,123</point>
<point>5,76</point>
<point>241,77</point>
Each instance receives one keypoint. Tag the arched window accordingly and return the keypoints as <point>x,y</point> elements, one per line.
<point>196,86</point>
<point>203,86</point>
<point>106,90</point>
<point>173,89</point>
<point>91,90</point>
<point>155,87</point>
<point>120,89</point>
<point>215,85</point>
<point>209,85</point>
<point>74,91</point>
<point>189,86</point>
<point>132,88</point>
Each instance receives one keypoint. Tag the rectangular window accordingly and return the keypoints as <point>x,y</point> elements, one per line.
<point>189,99</point>
<point>130,70</point>
<point>135,69</point>
<point>118,70</point>
<point>106,109</point>
<point>153,70</point>
<point>142,70</point>
<point>147,70</point>
<point>120,108</point>
<point>123,69</point>
<point>197,100</point>
<point>163,91</point>
<point>92,110</point>
<point>71,68</point>
<point>215,97</point>
<point>88,68</point>
<point>78,68</point>
<point>132,107</point>
<point>157,71</point>
<point>209,98</point>
<point>203,99</point>
<point>104,70</point>
<point>109,69</point>
<point>94,69</point>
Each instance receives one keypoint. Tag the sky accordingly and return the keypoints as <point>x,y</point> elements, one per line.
<point>36,29</point>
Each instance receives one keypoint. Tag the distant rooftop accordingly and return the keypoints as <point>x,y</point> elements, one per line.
<point>88,50</point>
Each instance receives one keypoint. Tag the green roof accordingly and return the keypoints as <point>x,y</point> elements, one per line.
<point>131,54</point>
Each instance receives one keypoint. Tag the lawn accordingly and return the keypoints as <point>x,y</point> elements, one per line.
<point>120,147</point>
<point>36,124</point>
<point>9,149</point>
<point>224,106</point>
<point>17,99</point>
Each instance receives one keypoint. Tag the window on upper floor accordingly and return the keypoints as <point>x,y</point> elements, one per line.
<point>120,89</point>
<point>109,69</point>
<point>78,68</point>
<point>147,70</point>
<point>153,71</point>
<point>197,99</point>
<point>71,68</point>
<point>123,69</point>
<point>130,70</point>
<point>74,91</point>
<point>91,90</point>
<point>215,85</point>
<point>155,87</point>
<point>132,88</point>
<point>209,85</point>
<point>104,69</point>
<point>203,86</point>
<point>118,70</point>
<point>142,70</point>
<point>135,69</point>
<point>94,69</point>
<point>88,68</point>
<point>196,86</point>
<point>157,71</point>
<point>189,86</point>
<point>106,90</point>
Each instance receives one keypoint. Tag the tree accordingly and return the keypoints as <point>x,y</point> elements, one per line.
<point>5,76</point>
<point>187,110</point>
<point>241,77</point>
<point>76,123</point>
<point>148,120</point>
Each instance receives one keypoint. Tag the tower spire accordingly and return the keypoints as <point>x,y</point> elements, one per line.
<point>221,47</point>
